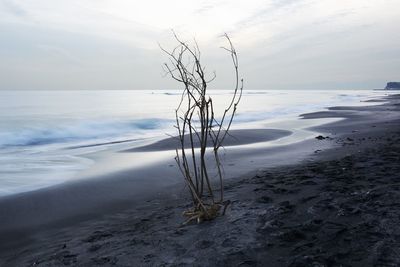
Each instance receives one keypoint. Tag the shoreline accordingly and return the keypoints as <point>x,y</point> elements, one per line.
<point>119,236</point>
<point>112,186</point>
<point>64,161</point>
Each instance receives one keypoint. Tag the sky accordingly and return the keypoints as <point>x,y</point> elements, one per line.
<point>281,44</point>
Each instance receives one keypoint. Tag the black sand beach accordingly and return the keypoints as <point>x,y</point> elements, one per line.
<point>340,206</point>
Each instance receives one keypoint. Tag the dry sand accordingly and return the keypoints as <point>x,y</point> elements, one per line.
<point>339,207</point>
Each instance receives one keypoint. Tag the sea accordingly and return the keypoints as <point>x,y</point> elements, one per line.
<point>45,136</point>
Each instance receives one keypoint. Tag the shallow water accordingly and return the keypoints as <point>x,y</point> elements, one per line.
<point>45,135</point>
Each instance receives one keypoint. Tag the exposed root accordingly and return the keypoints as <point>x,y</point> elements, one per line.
<point>208,213</point>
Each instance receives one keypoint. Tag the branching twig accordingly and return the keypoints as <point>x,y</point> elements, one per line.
<point>195,118</point>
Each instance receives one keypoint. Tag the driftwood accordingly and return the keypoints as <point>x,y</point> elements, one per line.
<point>196,120</point>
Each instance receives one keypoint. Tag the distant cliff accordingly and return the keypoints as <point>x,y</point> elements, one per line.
<point>392,85</point>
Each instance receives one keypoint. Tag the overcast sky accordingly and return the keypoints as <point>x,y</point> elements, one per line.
<point>282,44</point>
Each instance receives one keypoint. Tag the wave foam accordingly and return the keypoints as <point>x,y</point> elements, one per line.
<point>78,131</point>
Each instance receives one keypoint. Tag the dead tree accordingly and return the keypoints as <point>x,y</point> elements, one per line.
<point>199,128</point>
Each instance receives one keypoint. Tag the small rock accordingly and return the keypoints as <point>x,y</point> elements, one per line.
<point>204,244</point>
<point>264,199</point>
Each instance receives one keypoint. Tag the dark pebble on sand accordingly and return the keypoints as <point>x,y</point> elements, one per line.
<point>292,235</point>
<point>264,199</point>
<point>204,244</point>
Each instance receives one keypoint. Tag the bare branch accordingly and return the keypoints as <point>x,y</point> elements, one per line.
<point>196,123</point>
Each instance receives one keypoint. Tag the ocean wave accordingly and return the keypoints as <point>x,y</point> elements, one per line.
<point>79,131</point>
<point>275,113</point>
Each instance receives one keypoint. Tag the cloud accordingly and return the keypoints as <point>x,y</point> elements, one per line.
<point>206,7</point>
<point>60,54</point>
<point>13,8</point>
<point>91,40</point>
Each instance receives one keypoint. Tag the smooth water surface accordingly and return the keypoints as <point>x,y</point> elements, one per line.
<point>45,135</point>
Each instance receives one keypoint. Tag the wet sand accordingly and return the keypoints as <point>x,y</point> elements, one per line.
<point>338,207</point>
<point>235,138</point>
<point>94,196</point>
